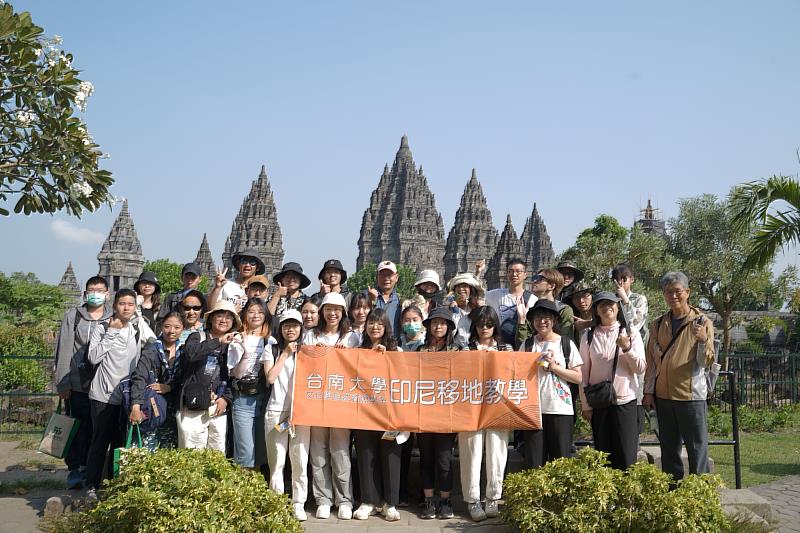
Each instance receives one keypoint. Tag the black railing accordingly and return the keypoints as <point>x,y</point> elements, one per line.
<point>764,380</point>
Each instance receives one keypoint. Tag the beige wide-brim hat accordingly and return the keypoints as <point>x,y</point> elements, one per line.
<point>467,279</point>
<point>428,276</point>
<point>224,305</point>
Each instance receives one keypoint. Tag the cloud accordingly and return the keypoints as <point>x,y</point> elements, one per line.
<point>67,231</point>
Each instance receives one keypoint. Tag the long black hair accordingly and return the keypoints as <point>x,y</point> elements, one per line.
<point>388,340</point>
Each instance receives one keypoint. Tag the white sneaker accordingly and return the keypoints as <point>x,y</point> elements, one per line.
<point>390,513</point>
<point>492,509</point>
<point>299,512</point>
<point>323,511</point>
<point>345,511</point>
<point>364,511</point>
<point>476,511</point>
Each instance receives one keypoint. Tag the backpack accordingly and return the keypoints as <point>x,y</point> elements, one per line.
<point>87,370</point>
<point>712,372</point>
<point>154,404</point>
<point>508,329</point>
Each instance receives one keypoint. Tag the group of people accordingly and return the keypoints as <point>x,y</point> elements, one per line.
<point>216,371</point>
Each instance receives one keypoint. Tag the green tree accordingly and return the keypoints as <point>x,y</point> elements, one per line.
<point>714,256</point>
<point>26,301</point>
<point>366,277</point>
<point>169,275</point>
<point>599,248</point>
<point>48,160</point>
<point>769,211</point>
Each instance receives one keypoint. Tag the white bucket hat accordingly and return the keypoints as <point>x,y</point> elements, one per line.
<point>334,298</point>
<point>428,276</point>
<point>467,279</point>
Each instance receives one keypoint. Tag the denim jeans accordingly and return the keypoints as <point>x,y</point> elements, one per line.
<point>245,411</point>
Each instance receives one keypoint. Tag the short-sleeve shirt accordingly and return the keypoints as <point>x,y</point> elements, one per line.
<point>505,303</point>
<point>281,397</point>
<point>555,397</point>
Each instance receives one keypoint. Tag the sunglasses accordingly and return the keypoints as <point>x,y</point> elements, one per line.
<point>192,307</point>
<point>247,261</point>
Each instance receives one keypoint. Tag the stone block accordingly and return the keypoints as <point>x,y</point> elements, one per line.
<point>654,457</point>
<point>737,499</point>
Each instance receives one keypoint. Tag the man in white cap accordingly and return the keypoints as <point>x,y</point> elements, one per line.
<point>384,294</point>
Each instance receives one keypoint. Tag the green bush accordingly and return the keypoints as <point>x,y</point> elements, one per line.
<point>752,420</point>
<point>26,374</point>
<point>582,494</point>
<point>184,490</point>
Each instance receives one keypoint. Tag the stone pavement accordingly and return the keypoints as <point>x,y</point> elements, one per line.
<point>409,523</point>
<point>784,495</point>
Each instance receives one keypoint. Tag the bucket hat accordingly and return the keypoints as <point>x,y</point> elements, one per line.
<point>577,273</point>
<point>249,252</point>
<point>149,277</point>
<point>223,305</point>
<point>467,279</point>
<point>440,312</point>
<point>428,276</point>
<point>297,269</point>
<point>334,263</point>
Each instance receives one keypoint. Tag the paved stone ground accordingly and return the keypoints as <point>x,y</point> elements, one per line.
<point>409,523</point>
<point>784,495</point>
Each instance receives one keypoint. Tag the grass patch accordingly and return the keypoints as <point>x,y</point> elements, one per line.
<point>21,486</point>
<point>764,456</point>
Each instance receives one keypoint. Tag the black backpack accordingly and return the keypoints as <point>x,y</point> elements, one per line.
<point>508,329</point>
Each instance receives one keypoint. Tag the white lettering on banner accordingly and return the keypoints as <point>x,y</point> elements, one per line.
<point>404,391</point>
<point>314,381</point>
<point>335,382</point>
<point>422,392</point>
<point>447,392</point>
<point>517,390</point>
<point>378,385</point>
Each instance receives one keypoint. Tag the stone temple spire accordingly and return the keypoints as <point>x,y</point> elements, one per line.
<point>69,284</point>
<point>508,247</point>
<point>120,259</point>
<point>473,235</point>
<point>537,250</point>
<point>256,226</point>
<point>402,223</point>
<point>206,260</point>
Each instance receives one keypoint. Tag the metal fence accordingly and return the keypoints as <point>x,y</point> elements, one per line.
<point>764,380</point>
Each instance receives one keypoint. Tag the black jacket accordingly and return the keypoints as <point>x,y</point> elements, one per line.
<point>153,359</point>
<point>194,354</point>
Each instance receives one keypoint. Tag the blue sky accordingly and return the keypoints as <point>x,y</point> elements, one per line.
<point>582,107</point>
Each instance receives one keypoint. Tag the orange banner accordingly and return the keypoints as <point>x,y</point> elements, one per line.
<point>424,392</point>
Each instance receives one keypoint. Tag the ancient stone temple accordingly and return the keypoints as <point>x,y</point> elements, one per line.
<point>120,259</point>
<point>256,226</point>
<point>206,260</point>
<point>473,235</point>
<point>537,250</point>
<point>650,220</point>
<point>508,247</point>
<point>69,284</point>
<point>402,223</point>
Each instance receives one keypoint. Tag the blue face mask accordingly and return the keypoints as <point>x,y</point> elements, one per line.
<point>412,329</point>
<point>95,299</point>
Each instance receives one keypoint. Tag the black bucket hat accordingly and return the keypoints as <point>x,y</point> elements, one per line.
<point>249,252</point>
<point>442,312</point>
<point>334,263</point>
<point>543,305</point>
<point>150,277</point>
<point>297,269</point>
<point>569,265</point>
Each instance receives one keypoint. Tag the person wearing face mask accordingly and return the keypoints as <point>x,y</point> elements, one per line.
<point>158,370</point>
<point>71,350</point>
<point>114,350</point>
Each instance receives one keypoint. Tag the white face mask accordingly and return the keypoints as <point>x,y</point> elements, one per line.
<point>96,299</point>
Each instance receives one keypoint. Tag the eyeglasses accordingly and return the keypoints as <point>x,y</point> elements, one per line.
<point>516,272</point>
<point>192,307</point>
<point>543,318</point>
<point>675,292</point>
<point>247,261</point>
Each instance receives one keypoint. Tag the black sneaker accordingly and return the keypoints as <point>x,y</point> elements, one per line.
<point>429,510</point>
<point>445,510</point>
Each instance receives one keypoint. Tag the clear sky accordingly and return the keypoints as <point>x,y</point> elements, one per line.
<point>582,107</point>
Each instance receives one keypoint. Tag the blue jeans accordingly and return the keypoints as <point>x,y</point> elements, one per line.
<point>246,409</point>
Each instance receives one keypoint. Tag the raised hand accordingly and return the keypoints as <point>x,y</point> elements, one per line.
<point>221,280</point>
<point>115,323</point>
<point>323,288</point>
<point>522,308</point>
<point>281,290</point>
<point>373,293</point>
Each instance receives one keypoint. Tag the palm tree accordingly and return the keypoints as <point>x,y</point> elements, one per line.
<point>773,227</point>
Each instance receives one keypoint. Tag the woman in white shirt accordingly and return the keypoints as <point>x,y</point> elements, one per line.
<point>330,447</point>
<point>245,359</point>
<point>283,439</point>
<point>555,373</point>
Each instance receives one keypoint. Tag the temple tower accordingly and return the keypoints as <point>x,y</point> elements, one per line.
<point>537,250</point>
<point>508,247</point>
<point>402,223</point>
<point>69,284</point>
<point>256,226</point>
<point>206,260</point>
<point>120,259</point>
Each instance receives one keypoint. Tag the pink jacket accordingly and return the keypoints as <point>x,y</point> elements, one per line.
<point>598,361</point>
